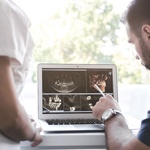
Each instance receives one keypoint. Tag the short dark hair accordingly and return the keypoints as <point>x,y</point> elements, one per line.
<point>137,14</point>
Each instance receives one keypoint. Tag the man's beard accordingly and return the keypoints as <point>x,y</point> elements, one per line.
<point>145,54</point>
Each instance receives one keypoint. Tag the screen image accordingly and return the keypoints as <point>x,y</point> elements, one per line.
<point>72,91</point>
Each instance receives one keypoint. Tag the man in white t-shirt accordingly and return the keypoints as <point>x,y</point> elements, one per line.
<point>15,56</point>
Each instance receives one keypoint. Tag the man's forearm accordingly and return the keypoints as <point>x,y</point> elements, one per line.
<point>118,135</point>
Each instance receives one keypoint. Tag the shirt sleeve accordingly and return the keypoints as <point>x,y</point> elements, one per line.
<point>144,132</point>
<point>14,30</point>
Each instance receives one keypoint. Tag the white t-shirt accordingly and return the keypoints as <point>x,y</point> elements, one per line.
<point>17,44</point>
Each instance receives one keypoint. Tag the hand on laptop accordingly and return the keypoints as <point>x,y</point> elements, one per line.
<point>37,139</point>
<point>103,104</point>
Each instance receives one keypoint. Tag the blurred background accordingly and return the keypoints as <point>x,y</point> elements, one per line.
<point>86,31</point>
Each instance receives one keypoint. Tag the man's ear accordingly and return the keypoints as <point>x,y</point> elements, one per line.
<point>146,31</point>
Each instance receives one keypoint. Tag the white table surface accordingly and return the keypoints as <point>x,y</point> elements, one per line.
<point>77,141</point>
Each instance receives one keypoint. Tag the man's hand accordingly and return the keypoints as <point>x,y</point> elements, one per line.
<point>37,139</point>
<point>106,102</point>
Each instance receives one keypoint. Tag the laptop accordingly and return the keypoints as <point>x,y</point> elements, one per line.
<point>66,95</point>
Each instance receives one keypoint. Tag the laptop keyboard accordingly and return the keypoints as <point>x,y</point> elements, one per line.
<point>72,121</point>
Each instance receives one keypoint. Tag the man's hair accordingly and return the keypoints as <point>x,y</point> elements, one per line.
<point>137,14</point>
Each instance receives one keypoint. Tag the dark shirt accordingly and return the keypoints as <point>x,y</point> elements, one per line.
<point>144,132</point>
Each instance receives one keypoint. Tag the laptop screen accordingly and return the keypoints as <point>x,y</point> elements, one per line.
<point>70,90</point>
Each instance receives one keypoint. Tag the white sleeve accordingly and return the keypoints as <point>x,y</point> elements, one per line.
<point>14,31</point>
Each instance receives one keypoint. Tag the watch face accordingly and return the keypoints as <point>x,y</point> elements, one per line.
<point>107,114</point>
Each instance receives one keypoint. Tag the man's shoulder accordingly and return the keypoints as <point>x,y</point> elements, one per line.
<point>144,132</point>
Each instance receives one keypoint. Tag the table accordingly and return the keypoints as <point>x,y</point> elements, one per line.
<point>77,141</point>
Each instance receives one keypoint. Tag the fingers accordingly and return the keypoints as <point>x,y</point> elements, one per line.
<point>33,123</point>
<point>39,129</point>
<point>104,103</point>
<point>34,144</point>
<point>37,126</point>
<point>37,140</point>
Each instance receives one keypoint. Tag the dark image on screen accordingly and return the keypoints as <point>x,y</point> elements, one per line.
<point>73,91</point>
<point>64,82</point>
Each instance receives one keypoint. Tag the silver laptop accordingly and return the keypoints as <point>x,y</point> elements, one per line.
<point>66,95</point>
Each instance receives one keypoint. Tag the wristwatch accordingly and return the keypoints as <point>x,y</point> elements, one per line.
<point>109,113</point>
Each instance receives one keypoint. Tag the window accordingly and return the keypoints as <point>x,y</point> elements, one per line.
<point>87,31</point>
